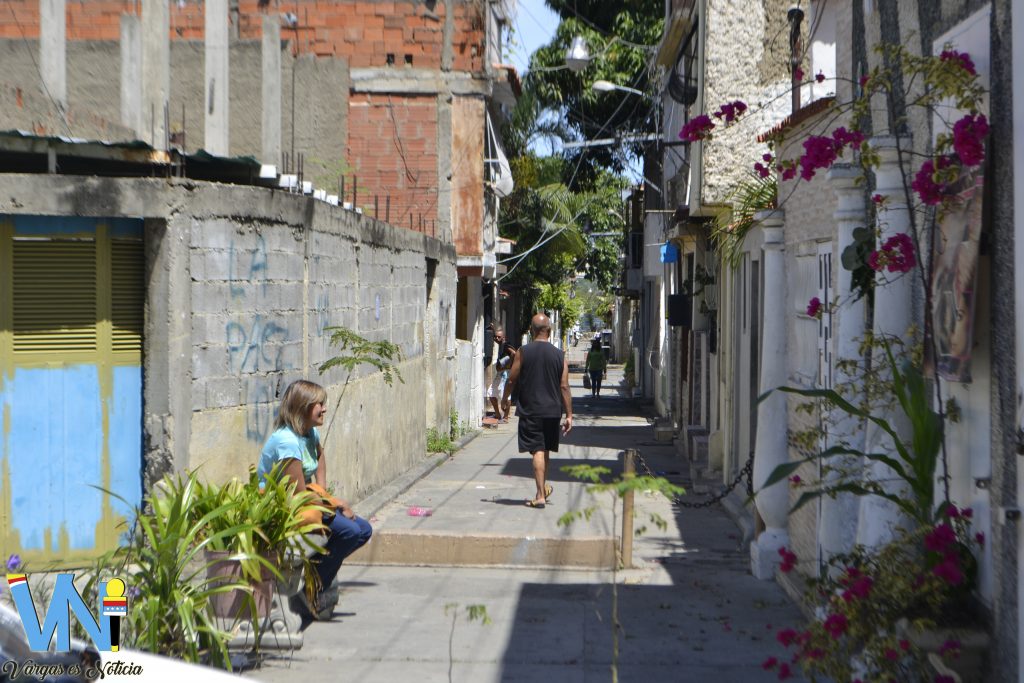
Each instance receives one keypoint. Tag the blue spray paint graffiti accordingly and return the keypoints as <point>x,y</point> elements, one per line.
<point>255,350</point>
<point>257,270</point>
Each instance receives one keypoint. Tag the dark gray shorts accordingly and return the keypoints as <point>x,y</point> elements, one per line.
<point>539,434</point>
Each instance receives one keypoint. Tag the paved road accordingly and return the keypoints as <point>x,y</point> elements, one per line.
<point>689,610</point>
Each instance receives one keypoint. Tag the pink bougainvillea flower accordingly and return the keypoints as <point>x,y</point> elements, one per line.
<point>798,74</point>
<point>835,625</point>
<point>952,511</point>
<point>904,645</point>
<point>951,648</point>
<point>767,158</point>
<point>819,153</point>
<point>784,671</point>
<point>844,137</point>
<point>967,513</point>
<point>820,78</point>
<point>962,59</point>
<point>860,588</point>
<point>795,480</point>
<point>731,111</point>
<point>788,560</point>
<point>896,255</point>
<point>697,128</point>
<point>924,184</point>
<point>769,663</point>
<point>762,170</point>
<point>980,538</point>
<point>786,637</point>
<point>814,308</point>
<point>949,571</point>
<point>969,135</point>
<point>940,538</point>
<point>891,654</point>
<point>788,172</point>
<point>878,199</point>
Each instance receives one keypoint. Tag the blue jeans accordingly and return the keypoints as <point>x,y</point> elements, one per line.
<point>347,536</point>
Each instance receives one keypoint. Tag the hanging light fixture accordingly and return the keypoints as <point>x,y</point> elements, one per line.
<point>577,57</point>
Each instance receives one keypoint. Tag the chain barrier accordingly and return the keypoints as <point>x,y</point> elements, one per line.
<point>747,472</point>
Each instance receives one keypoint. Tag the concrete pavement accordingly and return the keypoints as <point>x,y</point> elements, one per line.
<point>689,609</point>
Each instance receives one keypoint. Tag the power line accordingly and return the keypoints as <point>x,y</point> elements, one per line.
<point>60,109</point>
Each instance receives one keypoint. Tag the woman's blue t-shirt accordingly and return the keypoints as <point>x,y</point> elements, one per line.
<point>284,444</point>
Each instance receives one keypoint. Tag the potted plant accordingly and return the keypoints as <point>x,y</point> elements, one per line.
<point>270,543</point>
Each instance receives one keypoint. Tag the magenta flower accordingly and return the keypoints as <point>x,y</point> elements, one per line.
<point>819,153</point>
<point>814,307</point>
<point>952,511</point>
<point>904,645</point>
<point>930,191</point>
<point>767,158</point>
<point>980,538</point>
<point>878,199</point>
<point>951,648</point>
<point>896,255</point>
<point>940,538</point>
<point>798,73</point>
<point>788,172</point>
<point>864,80</point>
<point>786,637</point>
<point>697,128</point>
<point>949,571</point>
<point>784,671</point>
<point>820,78</point>
<point>851,138</point>
<point>762,170</point>
<point>788,560</point>
<point>731,111</point>
<point>962,59</point>
<point>769,663</point>
<point>891,654</point>
<point>969,135</point>
<point>967,513</point>
<point>835,625</point>
<point>795,480</point>
<point>861,588</point>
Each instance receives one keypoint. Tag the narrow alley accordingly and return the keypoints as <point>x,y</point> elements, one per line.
<point>689,608</point>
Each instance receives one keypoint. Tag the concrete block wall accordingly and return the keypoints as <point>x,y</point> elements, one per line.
<point>364,31</point>
<point>241,283</point>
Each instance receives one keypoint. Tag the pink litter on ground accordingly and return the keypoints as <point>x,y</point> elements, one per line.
<point>419,512</point>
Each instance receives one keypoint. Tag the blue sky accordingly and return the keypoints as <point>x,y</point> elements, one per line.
<point>534,25</point>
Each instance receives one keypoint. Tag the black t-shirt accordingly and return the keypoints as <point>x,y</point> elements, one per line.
<point>504,349</point>
<point>540,380</point>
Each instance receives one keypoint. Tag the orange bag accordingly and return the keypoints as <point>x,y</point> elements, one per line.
<point>312,515</point>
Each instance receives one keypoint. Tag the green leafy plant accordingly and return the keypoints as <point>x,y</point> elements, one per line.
<point>752,195</point>
<point>438,442</point>
<point>914,463</point>
<point>164,567</point>
<point>356,350</point>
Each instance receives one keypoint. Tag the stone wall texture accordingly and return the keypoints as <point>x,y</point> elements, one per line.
<point>244,284</point>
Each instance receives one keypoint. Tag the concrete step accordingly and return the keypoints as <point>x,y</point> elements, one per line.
<point>440,549</point>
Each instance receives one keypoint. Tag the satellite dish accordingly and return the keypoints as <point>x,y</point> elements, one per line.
<point>682,90</point>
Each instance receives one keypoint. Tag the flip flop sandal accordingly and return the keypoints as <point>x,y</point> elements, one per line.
<point>534,504</point>
<point>548,490</point>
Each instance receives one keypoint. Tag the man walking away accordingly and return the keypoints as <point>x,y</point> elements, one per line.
<point>542,375</point>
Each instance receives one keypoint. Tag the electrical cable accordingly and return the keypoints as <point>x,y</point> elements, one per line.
<point>60,110</point>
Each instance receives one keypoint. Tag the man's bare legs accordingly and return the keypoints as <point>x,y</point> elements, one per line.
<point>540,467</point>
<point>497,410</point>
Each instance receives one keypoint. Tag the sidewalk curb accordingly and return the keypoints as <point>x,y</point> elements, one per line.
<point>374,502</point>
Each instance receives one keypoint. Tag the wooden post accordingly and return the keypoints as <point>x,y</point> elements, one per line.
<point>628,470</point>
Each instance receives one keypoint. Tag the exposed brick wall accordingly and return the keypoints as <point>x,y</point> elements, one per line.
<point>392,148</point>
<point>363,32</point>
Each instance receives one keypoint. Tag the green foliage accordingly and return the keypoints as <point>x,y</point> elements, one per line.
<point>753,194</point>
<point>855,259</point>
<point>438,442</point>
<point>629,370</point>
<point>914,463</point>
<point>621,37</point>
<point>356,350</point>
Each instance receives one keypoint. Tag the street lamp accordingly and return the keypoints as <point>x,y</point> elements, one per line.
<point>577,57</point>
<point>608,86</point>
